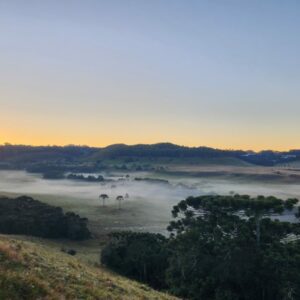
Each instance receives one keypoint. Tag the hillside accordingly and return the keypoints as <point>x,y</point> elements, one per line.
<point>30,271</point>
<point>88,159</point>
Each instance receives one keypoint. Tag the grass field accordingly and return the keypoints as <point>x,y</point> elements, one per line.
<point>33,271</point>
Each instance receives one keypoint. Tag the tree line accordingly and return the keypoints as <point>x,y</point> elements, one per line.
<point>220,247</point>
<point>24,215</point>
<point>20,156</point>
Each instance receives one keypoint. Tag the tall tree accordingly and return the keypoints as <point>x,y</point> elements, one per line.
<point>220,248</point>
<point>119,198</point>
<point>103,197</point>
<point>230,247</point>
<point>142,256</point>
<point>217,208</point>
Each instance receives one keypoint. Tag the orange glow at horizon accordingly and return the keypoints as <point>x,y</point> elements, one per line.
<point>207,74</point>
<point>33,139</point>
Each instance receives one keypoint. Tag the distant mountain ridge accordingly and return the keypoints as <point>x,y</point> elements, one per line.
<point>21,154</point>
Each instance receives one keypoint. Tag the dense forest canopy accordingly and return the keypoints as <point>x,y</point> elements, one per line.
<point>220,248</point>
<point>24,215</point>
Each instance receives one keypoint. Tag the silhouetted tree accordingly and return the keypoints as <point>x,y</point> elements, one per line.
<point>120,198</point>
<point>229,247</point>
<point>103,197</point>
<point>24,215</point>
<point>141,256</point>
<point>221,248</point>
<point>215,207</point>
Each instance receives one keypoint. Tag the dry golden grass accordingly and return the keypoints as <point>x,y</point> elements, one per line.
<point>30,271</point>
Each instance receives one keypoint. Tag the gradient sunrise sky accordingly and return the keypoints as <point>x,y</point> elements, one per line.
<point>222,73</point>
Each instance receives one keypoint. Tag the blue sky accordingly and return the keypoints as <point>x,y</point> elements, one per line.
<point>217,73</point>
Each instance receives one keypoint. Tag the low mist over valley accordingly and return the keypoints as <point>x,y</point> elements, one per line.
<point>149,150</point>
<point>154,177</point>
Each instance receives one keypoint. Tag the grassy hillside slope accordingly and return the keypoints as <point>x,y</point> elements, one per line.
<point>31,271</point>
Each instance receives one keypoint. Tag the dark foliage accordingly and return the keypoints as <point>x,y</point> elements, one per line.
<point>79,158</point>
<point>152,180</point>
<point>54,154</point>
<point>89,178</point>
<point>221,248</point>
<point>227,247</point>
<point>166,150</point>
<point>60,168</point>
<point>141,256</point>
<point>270,158</point>
<point>24,215</point>
<point>53,175</point>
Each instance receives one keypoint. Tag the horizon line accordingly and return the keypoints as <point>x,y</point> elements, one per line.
<point>144,144</point>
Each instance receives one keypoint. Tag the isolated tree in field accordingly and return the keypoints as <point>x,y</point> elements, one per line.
<point>103,197</point>
<point>126,196</point>
<point>120,198</point>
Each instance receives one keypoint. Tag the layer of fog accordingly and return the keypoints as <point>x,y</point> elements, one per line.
<point>153,200</point>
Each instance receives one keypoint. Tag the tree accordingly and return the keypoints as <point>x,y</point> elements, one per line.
<point>220,248</point>
<point>217,207</point>
<point>26,216</point>
<point>103,197</point>
<point>141,256</point>
<point>120,198</point>
<point>229,247</point>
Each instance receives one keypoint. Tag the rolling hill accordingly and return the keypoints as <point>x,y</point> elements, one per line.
<point>19,156</point>
<point>31,271</point>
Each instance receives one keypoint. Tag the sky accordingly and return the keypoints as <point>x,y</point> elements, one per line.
<point>221,73</point>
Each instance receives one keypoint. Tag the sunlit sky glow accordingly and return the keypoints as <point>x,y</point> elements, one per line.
<point>222,73</point>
